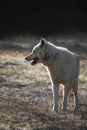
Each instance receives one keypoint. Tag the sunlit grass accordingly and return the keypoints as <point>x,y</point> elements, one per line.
<point>26,96</point>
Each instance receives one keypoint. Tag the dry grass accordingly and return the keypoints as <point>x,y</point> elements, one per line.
<point>26,96</point>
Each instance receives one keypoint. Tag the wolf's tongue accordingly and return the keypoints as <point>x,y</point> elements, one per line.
<point>33,62</point>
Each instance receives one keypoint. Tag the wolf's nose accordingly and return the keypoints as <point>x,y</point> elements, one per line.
<point>26,58</point>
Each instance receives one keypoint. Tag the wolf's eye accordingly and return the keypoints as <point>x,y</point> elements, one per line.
<point>34,51</point>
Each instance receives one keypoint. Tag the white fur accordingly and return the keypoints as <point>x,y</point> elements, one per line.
<point>62,66</point>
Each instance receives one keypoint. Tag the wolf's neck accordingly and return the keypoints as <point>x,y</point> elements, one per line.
<point>50,55</point>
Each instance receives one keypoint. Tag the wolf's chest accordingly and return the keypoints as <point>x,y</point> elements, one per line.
<point>57,74</point>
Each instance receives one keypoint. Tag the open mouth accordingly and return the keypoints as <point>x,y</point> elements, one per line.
<point>34,61</point>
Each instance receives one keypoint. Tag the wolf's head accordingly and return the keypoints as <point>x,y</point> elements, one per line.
<point>38,54</point>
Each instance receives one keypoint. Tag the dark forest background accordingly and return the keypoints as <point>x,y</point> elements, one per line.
<point>42,18</point>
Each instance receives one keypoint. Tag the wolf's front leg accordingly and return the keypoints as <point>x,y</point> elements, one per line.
<point>55,97</point>
<point>65,97</point>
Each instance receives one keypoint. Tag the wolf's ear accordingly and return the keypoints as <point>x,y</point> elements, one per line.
<point>42,42</point>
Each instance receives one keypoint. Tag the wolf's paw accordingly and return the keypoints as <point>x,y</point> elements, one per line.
<point>76,110</point>
<point>64,111</point>
<point>55,109</point>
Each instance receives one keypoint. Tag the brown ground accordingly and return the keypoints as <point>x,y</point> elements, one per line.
<point>25,91</point>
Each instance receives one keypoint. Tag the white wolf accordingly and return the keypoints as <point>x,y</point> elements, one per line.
<point>63,68</point>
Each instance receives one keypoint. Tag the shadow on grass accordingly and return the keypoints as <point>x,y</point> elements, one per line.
<point>49,128</point>
<point>56,128</point>
<point>8,46</point>
<point>57,123</point>
<point>4,83</point>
